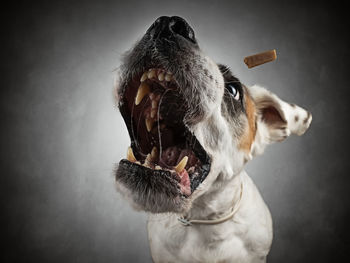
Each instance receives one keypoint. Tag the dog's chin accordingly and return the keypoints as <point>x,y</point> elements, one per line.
<point>155,191</point>
<point>165,162</point>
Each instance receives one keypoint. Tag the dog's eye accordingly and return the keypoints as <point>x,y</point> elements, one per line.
<point>234,91</point>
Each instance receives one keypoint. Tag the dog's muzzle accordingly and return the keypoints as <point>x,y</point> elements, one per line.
<point>165,162</point>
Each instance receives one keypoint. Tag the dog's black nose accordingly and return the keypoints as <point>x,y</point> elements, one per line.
<point>166,27</point>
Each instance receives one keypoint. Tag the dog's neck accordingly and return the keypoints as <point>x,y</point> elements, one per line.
<point>223,196</point>
<point>219,193</point>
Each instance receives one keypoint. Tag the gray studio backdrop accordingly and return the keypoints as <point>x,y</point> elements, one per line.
<point>64,135</point>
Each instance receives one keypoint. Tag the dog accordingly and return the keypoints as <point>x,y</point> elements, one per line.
<point>193,126</point>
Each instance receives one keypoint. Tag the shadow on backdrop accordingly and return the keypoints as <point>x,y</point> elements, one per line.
<point>62,134</point>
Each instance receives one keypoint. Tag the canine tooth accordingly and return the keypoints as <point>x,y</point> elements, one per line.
<point>181,165</point>
<point>141,92</point>
<point>161,76</point>
<point>168,77</point>
<point>144,77</point>
<point>148,161</point>
<point>148,158</point>
<point>158,167</point>
<point>151,74</point>
<point>154,104</point>
<point>154,153</point>
<point>130,155</point>
<point>149,124</point>
<point>153,113</point>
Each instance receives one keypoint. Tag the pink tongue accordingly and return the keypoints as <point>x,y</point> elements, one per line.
<point>185,183</point>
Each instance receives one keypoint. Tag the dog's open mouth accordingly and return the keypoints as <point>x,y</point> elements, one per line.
<point>165,160</point>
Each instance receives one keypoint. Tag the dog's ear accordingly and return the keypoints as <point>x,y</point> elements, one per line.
<point>275,119</point>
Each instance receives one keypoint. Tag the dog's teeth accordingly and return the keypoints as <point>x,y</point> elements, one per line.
<point>149,124</point>
<point>152,74</point>
<point>154,104</point>
<point>158,167</point>
<point>148,160</point>
<point>168,77</point>
<point>153,113</point>
<point>144,77</point>
<point>130,155</point>
<point>142,91</point>
<point>161,76</point>
<point>181,165</point>
<point>154,153</point>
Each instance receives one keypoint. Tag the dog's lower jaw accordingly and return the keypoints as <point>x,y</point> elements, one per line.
<point>246,237</point>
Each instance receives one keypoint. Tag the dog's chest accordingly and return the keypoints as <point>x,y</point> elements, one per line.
<point>227,242</point>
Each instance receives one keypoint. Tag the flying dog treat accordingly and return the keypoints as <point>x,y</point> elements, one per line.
<point>260,58</point>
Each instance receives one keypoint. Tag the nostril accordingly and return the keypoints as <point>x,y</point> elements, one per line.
<point>157,28</point>
<point>167,27</point>
<point>179,26</point>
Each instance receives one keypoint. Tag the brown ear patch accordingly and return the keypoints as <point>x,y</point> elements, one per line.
<point>249,134</point>
<point>271,116</point>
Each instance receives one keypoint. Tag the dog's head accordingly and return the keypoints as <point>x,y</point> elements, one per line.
<point>189,119</point>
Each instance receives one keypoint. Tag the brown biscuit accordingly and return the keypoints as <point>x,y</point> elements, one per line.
<point>261,58</point>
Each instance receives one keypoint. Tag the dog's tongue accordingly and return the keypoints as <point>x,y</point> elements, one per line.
<point>185,183</point>
<point>171,156</point>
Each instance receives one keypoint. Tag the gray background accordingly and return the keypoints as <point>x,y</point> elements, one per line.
<point>62,135</point>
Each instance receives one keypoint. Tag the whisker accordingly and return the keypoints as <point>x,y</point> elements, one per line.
<point>139,120</point>
<point>132,127</point>
<point>159,133</point>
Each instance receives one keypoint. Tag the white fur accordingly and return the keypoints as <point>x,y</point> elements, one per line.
<point>247,236</point>
<point>269,134</point>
